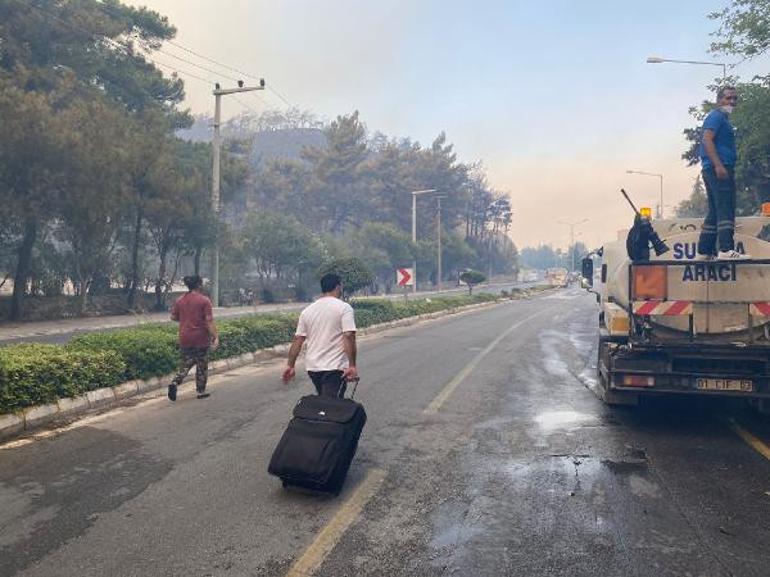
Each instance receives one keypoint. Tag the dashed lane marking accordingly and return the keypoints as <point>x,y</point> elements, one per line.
<point>754,442</point>
<point>450,387</point>
<point>331,534</point>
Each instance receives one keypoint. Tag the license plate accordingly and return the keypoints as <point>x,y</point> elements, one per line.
<point>740,385</point>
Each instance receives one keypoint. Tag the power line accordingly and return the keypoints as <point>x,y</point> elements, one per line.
<point>245,74</point>
<point>242,103</point>
<point>182,71</point>
<point>149,56</point>
<point>211,60</point>
<point>231,68</point>
<point>259,97</point>
<point>121,47</point>
<point>198,66</point>
<point>279,95</point>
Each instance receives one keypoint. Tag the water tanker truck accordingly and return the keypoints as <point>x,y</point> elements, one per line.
<point>674,323</point>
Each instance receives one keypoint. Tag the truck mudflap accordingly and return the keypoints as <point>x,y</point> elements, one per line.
<point>702,369</point>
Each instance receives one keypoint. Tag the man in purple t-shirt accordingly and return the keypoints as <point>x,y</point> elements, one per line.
<point>197,334</point>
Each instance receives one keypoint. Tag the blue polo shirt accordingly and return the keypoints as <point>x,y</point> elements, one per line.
<point>718,121</point>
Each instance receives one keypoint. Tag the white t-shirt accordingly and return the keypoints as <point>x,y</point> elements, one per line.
<point>323,323</point>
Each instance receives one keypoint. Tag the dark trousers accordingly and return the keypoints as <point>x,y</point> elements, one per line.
<point>328,383</point>
<point>719,225</point>
<point>199,357</point>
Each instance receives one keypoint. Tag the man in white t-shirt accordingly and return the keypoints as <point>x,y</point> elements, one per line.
<point>329,328</point>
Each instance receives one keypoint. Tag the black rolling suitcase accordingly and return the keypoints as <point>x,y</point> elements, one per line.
<point>317,447</point>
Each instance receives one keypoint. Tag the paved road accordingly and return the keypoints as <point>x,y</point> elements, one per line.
<point>485,454</point>
<point>61,331</point>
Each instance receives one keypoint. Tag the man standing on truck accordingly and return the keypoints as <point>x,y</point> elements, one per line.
<point>718,156</point>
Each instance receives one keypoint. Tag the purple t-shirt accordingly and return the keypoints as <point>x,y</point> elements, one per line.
<point>193,311</point>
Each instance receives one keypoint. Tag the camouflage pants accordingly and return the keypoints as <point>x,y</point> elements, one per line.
<point>198,357</point>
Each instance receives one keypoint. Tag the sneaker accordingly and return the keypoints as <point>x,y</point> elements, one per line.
<point>706,257</point>
<point>204,395</point>
<point>731,255</point>
<point>172,392</point>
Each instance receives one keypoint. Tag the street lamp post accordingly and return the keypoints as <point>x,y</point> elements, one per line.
<point>215,180</point>
<point>438,234</point>
<point>658,175</point>
<point>415,193</point>
<point>572,226</point>
<point>659,60</point>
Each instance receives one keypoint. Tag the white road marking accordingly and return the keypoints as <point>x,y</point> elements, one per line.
<point>331,534</point>
<point>450,387</point>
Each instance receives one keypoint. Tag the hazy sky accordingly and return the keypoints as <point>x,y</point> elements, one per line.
<point>554,97</point>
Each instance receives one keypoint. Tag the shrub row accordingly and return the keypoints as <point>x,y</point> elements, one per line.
<point>147,351</point>
<point>372,312</point>
<point>35,374</point>
<point>152,351</point>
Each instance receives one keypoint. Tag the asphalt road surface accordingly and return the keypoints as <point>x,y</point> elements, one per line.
<point>486,454</point>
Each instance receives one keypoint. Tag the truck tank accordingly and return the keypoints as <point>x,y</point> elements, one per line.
<point>719,290</point>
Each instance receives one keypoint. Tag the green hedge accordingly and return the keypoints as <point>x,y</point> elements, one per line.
<point>371,312</point>
<point>249,334</point>
<point>147,352</point>
<point>34,374</point>
<point>152,351</point>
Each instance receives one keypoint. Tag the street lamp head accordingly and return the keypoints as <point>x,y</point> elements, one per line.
<point>426,191</point>
<point>655,60</point>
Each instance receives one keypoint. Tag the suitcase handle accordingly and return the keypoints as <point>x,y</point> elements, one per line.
<point>355,386</point>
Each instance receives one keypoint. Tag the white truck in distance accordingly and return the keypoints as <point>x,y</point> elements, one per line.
<point>682,325</point>
<point>558,277</point>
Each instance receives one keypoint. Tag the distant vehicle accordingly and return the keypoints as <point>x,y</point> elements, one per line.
<point>557,277</point>
<point>677,324</point>
<point>527,276</point>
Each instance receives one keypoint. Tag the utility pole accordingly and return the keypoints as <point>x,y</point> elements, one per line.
<point>489,257</point>
<point>215,180</point>
<point>438,234</point>
<point>414,231</point>
<point>572,226</point>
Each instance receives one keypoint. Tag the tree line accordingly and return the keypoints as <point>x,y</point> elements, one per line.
<point>545,256</point>
<point>100,193</point>
<point>351,197</point>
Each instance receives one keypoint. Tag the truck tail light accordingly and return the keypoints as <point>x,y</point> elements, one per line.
<point>638,381</point>
<point>650,282</point>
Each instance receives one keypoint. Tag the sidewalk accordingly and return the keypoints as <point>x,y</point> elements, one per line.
<point>58,330</point>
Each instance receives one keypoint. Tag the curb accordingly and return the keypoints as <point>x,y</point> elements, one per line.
<point>12,424</point>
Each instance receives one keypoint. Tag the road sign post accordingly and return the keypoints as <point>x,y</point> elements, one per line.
<point>405,277</point>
